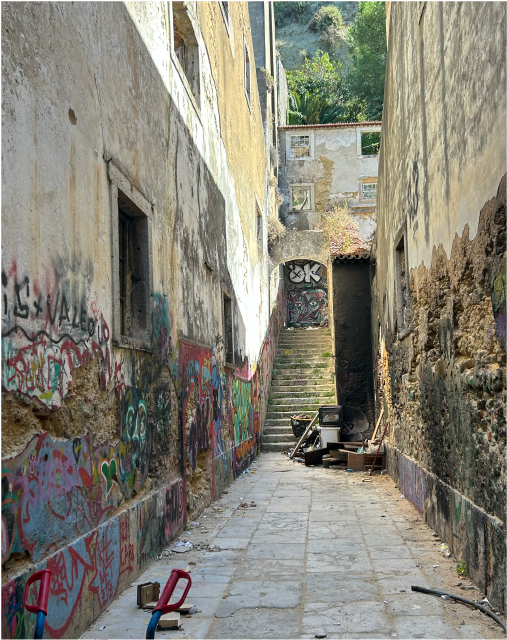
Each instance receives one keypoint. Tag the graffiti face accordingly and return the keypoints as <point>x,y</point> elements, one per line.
<point>305,273</point>
<point>307,307</point>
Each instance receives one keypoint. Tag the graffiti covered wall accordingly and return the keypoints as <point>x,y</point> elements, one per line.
<point>109,445</point>
<point>307,294</point>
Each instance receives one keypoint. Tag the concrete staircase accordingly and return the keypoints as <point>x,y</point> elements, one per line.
<point>303,380</point>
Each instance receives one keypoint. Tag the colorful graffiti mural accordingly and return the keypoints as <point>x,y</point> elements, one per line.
<point>48,331</point>
<point>307,307</point>
<point>72,486</point>
<point>94,565</point>
<point>60,497</point>
<point>413,482</point>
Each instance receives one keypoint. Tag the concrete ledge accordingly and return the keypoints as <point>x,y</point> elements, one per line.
<point>94,569</point>
<point>472,534</point>
<point>298,245</point>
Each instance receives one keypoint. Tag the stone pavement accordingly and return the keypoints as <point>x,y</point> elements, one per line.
<point>321,551</point>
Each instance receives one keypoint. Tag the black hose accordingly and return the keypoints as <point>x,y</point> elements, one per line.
<point>485,610</point>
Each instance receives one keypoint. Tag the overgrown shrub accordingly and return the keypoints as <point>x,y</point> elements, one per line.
<point>326,17</point>
<point>342,228</point>
<point>295,11</point>
<point>275,230</point>
<point>328,22</point>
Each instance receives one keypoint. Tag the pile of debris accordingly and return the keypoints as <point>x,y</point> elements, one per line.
<point>337,440</point>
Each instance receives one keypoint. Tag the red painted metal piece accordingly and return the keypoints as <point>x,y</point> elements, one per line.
<point>380,444</point>
<point>42,603</point>
<point>176,575</point>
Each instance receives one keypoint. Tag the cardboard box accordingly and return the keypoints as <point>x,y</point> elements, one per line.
<point>147,593</point>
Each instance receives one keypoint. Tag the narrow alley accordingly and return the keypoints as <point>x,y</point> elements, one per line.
<point>254,275</point>
<point>293,551</point>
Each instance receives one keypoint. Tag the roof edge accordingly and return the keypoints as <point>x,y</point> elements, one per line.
<point>332,125</point>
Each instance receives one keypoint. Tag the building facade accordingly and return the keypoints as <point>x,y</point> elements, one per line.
<point>139,319</point>
<point>438,275</point>
<point>324,166</point>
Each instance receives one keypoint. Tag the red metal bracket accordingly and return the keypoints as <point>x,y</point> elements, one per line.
<point>162,604</point>
<point>42,603</point>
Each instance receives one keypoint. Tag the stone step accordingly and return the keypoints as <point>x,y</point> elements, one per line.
<point>274,430</point>
<point>309,343</point>
<point>303,377</point>
<point>279,447</point>
<point>295,406</point>
<point>304,340</point>
<point>298,389</point>
<point>300,400</point>
<point>292,336</point>
<point>280,437</point>
<point>276,415</point>
<point>303,363</point>
<point>303,353</point>
<point>275,423</point>
<point>300,372</point>
<point>311,381</point>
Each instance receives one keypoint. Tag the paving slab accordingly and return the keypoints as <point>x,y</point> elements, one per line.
<point>321,552</point>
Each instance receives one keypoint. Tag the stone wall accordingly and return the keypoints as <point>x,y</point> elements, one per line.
<point>438,278</point>
<point>110,442</point>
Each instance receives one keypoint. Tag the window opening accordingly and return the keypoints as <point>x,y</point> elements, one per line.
<point>401,286</point>
<point>300,146</point>
<point>370,190</point>
<point>186,48</point>
<point>133,252</point>
<point>248,88</point>
<point>370,143</point>
<point>260,230</point>
<point>229,353</point>
<point>301,199</point>
<point>123,222</point>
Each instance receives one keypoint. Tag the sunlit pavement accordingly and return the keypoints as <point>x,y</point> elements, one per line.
<point>321,552</point>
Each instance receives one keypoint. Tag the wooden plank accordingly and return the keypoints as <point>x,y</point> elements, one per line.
<point>378,423</point>
<point>304,436</point>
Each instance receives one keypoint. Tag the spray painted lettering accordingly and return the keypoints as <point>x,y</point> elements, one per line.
<point>48,331</point>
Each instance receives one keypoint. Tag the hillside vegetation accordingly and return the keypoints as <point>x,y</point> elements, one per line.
<point>339,77</point>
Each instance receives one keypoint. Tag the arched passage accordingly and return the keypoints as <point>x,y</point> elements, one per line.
<point>305,259</point>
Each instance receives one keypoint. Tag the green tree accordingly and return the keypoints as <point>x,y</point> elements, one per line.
<point>318,76</point>
<point>368,50</point>
<point>311,109</point>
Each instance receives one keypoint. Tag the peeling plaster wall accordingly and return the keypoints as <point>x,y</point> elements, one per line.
<point>334,169</point>
<point>108,450</point>
<point>438,306</point>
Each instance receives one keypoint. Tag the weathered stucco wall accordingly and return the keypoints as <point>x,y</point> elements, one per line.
<point>107,450</point>
<point>438,315</point>
<point>335,168</point>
